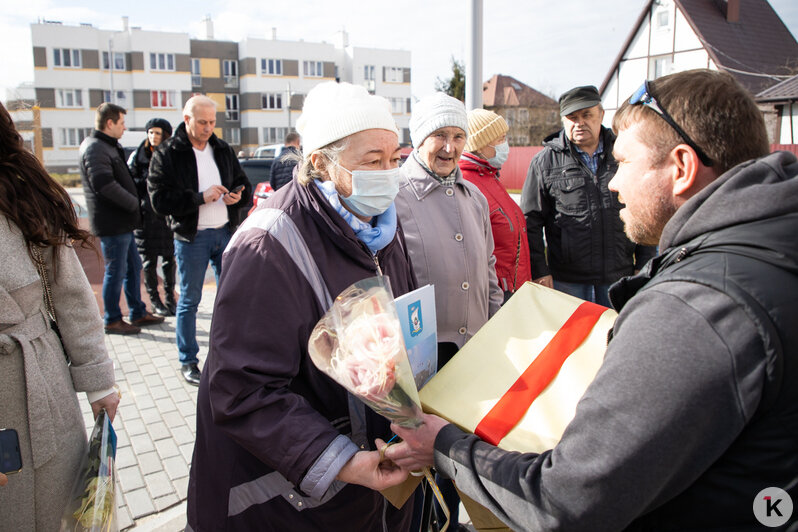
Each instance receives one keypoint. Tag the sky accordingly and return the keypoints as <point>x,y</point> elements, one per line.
<point>551,46</point>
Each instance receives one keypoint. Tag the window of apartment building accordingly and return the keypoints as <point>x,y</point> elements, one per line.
<point>368,72</point>
<point>230,72</point>
<point>196,76</point>
<point>117,97</point>
<point>162,99</point>
<point>510,118</point>
<point>273,135</point>
<point>118,62</point>
<point>312,69</point>
<point>232,135</point>
<point>272,100</point>
<point>160,61</point>
<point>66,57</point>
<point>394,74</point>
<point>69,98</point>
<point>72,136</point>
<point>271,67</point>
<point>398,105</point>
<point>231,106</point>
<point>523,116</point>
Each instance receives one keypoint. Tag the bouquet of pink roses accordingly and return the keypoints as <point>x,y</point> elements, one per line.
<point>359,344</point>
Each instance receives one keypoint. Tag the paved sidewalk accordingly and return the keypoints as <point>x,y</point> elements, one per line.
<point>156,420</point>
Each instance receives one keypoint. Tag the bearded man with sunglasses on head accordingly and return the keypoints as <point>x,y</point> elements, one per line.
<point>692,420</point>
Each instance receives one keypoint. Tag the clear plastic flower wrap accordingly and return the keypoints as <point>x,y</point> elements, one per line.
<point>359,344</point>
<point>92,506</point>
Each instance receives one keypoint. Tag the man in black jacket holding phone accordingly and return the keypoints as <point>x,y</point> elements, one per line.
<point>196,181</point>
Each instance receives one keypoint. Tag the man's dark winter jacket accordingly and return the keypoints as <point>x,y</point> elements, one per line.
<point>273,430</point>
<point>111,197</point>
<point>695,409</point>
<point>585,239</point>
<point>283,166</point>
<point>174,187</point>
<point>154,238</point>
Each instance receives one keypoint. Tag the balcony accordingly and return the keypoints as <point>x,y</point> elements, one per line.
<point>231,82</point>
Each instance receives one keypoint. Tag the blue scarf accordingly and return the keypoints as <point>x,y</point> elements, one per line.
<point>375,236</point>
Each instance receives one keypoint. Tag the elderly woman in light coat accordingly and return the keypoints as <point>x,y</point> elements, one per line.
<point>37,386</point>
<point>447,226</point>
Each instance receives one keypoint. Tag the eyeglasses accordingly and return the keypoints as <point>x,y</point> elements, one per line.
<point>643,96</point>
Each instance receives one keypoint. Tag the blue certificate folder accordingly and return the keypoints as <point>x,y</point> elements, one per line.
<point>416,311</point>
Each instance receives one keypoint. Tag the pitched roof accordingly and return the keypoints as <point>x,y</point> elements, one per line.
<point>508,91</point>
<point>786,90</point>
<point>755,50</point>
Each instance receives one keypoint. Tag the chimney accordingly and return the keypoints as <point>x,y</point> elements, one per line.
<point>125,25</point>
<point>733,11</point>
<point>274,33</point>
<point>208,27</point>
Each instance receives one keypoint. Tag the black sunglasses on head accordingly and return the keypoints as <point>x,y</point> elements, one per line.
<point>643,96</point>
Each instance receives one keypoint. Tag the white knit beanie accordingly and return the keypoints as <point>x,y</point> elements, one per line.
<point>333,111</point>
<point>434,112</point>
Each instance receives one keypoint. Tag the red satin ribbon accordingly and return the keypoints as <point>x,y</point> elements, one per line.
<point>514,404</point>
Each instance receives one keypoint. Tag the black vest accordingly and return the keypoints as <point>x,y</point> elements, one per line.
<point>764,283</point>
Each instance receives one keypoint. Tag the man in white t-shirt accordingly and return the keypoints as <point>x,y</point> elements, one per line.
<point>196,181</point>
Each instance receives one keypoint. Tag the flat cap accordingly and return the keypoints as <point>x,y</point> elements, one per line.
<point>578,98</point>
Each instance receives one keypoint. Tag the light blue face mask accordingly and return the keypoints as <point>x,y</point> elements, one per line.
<point>373,191</point>
<point>502,152</point>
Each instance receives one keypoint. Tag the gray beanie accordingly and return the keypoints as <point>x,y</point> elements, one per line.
<point>434,112</point>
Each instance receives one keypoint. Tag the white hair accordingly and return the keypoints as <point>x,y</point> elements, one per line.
<point>200,100</point>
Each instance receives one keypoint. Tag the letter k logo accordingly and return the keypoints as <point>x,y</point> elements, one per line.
<point>772,506</point>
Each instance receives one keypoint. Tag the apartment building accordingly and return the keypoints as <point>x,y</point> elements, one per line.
<point>258,84</point>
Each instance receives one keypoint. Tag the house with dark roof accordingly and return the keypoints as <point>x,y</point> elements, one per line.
<point>779,103</point>
<point>530,114</point>
<point>743,37</point>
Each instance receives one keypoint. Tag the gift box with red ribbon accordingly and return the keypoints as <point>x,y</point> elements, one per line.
<point>516,383</point>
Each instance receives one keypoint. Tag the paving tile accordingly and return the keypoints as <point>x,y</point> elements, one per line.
<point>167,501</point>
<point>166,448</point>
<point>158,431</point>
<point>133,377</point>
<point>135,427</point>
<point>179,396</point>
<point>145,402</point>
<point>142,443</point>
<point>182,435</point>
<point>159,392</point>
<point>158,484</point>
<point>181,487</point>
<point>173,419</point>
<point>187,450</point>
<point>187,408</point>
<point>123,519</point>
<point>166,405</point>
<point>150,463</point>
<point>125,457</point>
<point>148,369</point>
<point>130,478</point>
<point>150,415</point>
<point>175,467</point>
<point>139,503</point>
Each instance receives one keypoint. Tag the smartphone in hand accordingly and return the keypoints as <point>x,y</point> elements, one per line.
<point>10,455</point>
<point>236,190</point>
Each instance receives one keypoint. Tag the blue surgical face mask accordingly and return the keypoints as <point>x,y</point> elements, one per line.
<point>373,191</point>
<point>502,152</point>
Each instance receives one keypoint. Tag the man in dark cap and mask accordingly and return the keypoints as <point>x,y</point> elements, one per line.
<point>154,238</point>
<point>566,195</point>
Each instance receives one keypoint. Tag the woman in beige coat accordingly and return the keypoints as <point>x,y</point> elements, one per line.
<point>37,386</point>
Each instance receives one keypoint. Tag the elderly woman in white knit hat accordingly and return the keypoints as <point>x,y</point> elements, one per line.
<point>280,446</point>
<point>447,226</point>
<point>485,152</point>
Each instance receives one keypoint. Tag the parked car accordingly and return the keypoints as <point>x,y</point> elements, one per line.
<point>269,151</point>
<point>262,191</point>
